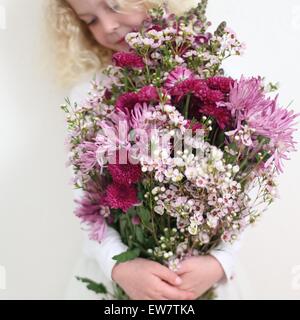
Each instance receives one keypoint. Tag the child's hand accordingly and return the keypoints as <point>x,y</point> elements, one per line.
<point>199,274</point>
<point>143,279</point>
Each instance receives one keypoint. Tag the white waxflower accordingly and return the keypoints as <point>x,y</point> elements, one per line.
<point>193,228</point>
<point>235,169</point>
<point>216,154</point>
<point>212,221</point>
<point>168,108</point>
<point>173,264</point>
<point>166,255</point>
<point>191,173</point>
<point>219,166</point>
<point>177,175</point>
<point>179,162</point>
<point>155,190</point>
<point>159,209</point>
<point>191,202</point>
<point>204,237</point>
<point>179,59</point>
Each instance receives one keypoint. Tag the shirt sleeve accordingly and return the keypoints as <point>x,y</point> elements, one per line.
<point>104,251</point>
<point>226,254</point>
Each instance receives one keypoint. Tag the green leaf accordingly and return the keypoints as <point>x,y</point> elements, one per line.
<point>140,192</point>
<point>139,234</point>
<point>263,140</point>
<point>98,288</point>
<point>144,214</point>
<point>128,255</point>
<point>233,146</point>
<point>131,212</point>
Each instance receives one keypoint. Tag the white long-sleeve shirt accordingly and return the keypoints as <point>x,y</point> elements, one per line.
<point>112,245</point>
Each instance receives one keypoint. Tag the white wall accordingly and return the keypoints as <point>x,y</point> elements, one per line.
<point>39,237</point>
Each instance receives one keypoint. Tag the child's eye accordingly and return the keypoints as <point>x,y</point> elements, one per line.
<point>113,5</point>
<point>90,23</point>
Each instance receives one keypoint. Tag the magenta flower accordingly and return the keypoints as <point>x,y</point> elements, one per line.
<point>203,38</point>
<point>176,76</point>
<point>198,88</point>
<point>120,197</point>
<point>148,94</point>
<point>220,83</point>
<point>221,115</point>
<point>193,126</point>
<point>213,96</point>
<point>127,101</point>
<point>125,174</point>
<point>190,86</point>
<point>128,60</point>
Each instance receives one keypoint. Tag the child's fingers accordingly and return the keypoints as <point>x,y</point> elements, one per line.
<point>182,268</point>
<point>169,276</point>
<point>172,293</point>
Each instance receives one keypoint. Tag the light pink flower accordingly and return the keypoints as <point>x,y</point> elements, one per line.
<point>177,75</point>
<point>249,103</point>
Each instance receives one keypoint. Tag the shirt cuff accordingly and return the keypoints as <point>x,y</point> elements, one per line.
<point>104,251</point>
<point>227,262</point>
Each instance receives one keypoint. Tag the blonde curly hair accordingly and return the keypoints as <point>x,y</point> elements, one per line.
<point>74,50</point>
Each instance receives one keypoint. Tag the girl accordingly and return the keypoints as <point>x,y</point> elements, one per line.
<point>86,34</point>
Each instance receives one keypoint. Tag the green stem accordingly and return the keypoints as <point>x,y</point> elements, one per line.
<point>186,107</point>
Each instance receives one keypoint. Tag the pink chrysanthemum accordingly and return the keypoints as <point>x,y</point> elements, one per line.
<point>87,156</point>
<point>249,103</point>
<point>246,95</point>
<point>125,174</point>
<point>120,197</point>
<point>139,116</point>
<point>128,60</point>
<point>127,101</point>
<point>176,76</point>
<point>92,211</point>
<point>276,124</point>
<point>98,229</point>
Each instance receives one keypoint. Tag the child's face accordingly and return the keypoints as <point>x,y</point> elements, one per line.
<point>107,26</point>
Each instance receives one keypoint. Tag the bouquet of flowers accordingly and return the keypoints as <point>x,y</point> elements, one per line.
<point>173,154</point>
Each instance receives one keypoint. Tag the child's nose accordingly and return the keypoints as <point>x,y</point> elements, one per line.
<point>110,25</point>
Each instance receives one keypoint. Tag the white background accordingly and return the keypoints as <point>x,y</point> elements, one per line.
<point>40,239</point>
